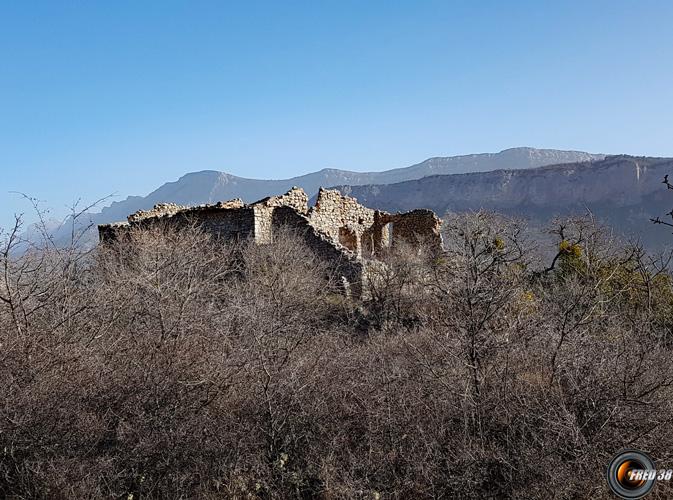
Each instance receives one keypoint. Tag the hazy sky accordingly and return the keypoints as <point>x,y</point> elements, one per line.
<point>122,96</point>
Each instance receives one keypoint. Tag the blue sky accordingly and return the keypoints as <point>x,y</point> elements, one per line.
<point>120,97</point>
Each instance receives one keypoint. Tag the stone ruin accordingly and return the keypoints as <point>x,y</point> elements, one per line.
<point>347,235</point>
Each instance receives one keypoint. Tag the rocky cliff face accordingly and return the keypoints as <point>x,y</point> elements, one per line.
<point>624,191</point>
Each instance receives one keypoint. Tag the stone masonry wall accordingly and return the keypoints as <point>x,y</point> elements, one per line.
<point>218,220</point>
<point>295,198</point>
<point>344,233</point>
<point>342,218</point>
<point>230,224</point>
<point>418,227</point>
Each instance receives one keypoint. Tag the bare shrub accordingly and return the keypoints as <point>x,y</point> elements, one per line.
<point>172,365</point>
<point>397,287</point>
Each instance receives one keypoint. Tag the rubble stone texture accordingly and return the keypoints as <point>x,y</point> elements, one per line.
<point>341,231</point>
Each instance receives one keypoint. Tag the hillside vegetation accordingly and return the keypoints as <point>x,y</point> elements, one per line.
<point>182,367</point>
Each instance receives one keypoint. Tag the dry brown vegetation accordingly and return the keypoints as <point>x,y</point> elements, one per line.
<point>181,367</point>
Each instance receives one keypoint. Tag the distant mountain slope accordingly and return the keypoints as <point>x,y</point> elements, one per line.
<point>623,191</point>
<point>211,186</point>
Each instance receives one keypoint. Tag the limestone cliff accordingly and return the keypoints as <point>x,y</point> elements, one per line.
<point>623,191</point>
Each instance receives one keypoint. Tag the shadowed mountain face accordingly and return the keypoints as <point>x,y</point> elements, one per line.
<point>622,191</point>
<point>210,186</point>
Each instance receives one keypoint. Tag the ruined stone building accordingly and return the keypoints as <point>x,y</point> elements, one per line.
<point>340,230</point>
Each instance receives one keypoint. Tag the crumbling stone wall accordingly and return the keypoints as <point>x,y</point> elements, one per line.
<point>229,220</point>
<point>295,198</point>
<point>228,224</point>
<point>170,209</point>
<point>344,233</point>
<point>367,232</point>
<point>418,227</point>
<point>108,233</point>
<point>343,219</point>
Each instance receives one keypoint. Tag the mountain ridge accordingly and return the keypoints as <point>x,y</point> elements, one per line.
<point>209,186</point>
<point>621,190</point>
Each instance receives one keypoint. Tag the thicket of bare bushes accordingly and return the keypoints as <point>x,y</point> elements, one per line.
<point>180,367</point>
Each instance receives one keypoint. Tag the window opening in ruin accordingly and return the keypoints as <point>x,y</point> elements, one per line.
<point>368,244</point>
<point>348,238</point>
